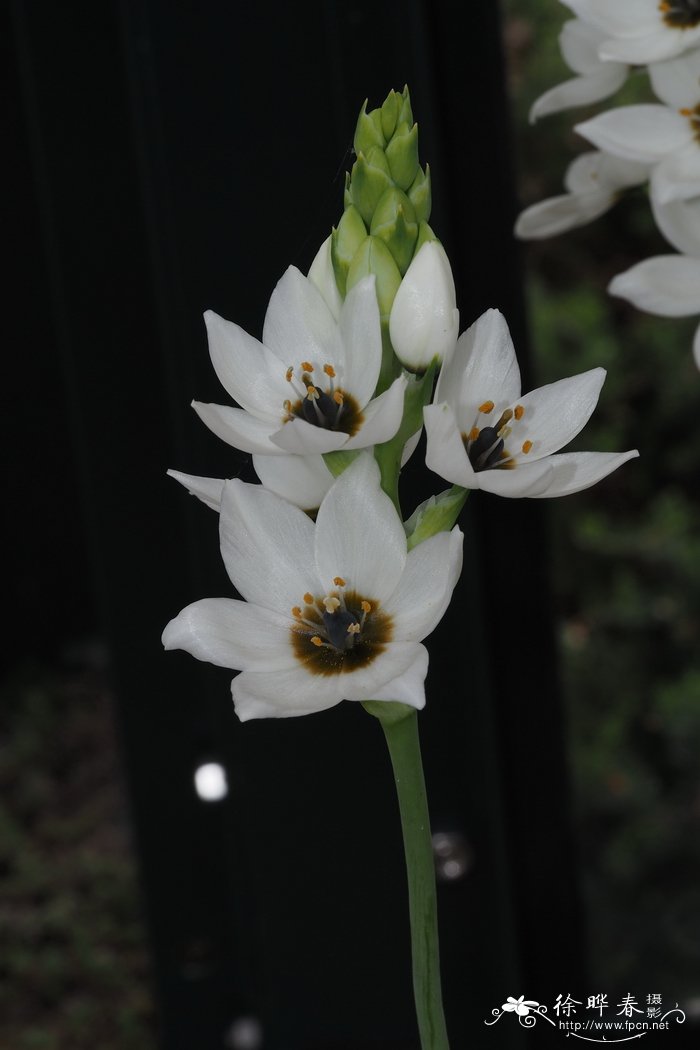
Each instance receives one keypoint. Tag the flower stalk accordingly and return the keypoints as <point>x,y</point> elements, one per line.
<point>400,725</point>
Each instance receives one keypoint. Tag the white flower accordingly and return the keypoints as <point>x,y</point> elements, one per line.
<point>424,321</point>
<point>666,137</point>
<point>334,610</point>
<point>520,1006</point>
<point>307,388</point>
<point>483,434</point>
<point>597,80</point>
<point>594,181</point>
<point>641,31</point>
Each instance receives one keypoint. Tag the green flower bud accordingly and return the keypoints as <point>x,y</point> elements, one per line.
<point>420,194</point>
<point>425,234</point>
<point>368,132</point>
<point>394,220</point>
<point>373,256</point>
<point>345,240</point>
<point>370,178</point>
<point>390,113</point>
<point>436,514</point>
<point>402,154</point>
<point>347,192</point>
<point>405,113</point>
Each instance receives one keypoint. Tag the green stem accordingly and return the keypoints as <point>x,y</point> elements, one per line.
<point>404,749</point>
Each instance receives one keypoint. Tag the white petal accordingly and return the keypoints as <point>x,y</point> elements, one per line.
<point>676,80</point>
<point>424,321</point>
<point>303,480</point>
<point>299,325</point>
<point>580,91</point>
<point>382,417</point>
<point>559,214</point>
<point>409,687</point>
<point>361,336</point>
<point>668,285</point>
<point>207,489</point>
<point>579,43</point>
<point>484,367</point>
<point>529,479</point>
<point>554,414</point>
<point>267,547</point>
<point>359,535</point>
<point>678,175</point>
<point>643,133</point>
<point>679,221</point>
<point>237,427</point>
<point>574,471</point>
<point>304,439</point>
<point>234,634</point>
<point>445,453</point>
<point>321,274</point>
<point>246,369</point>
<point>624,18</point>
<point>603,171</point>
<point>295,691</point>
<point>651,48</point>
<point>425,589</point>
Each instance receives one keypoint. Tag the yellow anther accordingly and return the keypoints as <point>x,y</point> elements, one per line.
<point>664,6</point>
<point>315,640</point>
<point>486,407</point>
<point>474,433</point>
<point>311,393</point>
<point>287,406</point>
<point>290,373</point>
<point>366,607</point>
<point>309,598</point>
<point>331,603</point>
<point>296,612</point>
<point>527,445</point>
<point>338,397</point>
<point>307,366</point>
<point>685,112</point>
<point>519,412</point>
<point>329,370</point>
<point>353,628</point>
<point>339,581</point>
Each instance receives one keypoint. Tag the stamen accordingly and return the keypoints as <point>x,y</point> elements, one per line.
<point>353,628</point>
<point>339,581</point>
<point>296,612</point>
<point>519,412</point>
<point>290,373</point>
<point>664,6</point>
<point>685,112</point>
<point>473,434</point>
<point>486,407</point>
<point>306,366</point>
<point>338,398</point>
<point>506,417</point>
<point>309,598</point>
<point>527,445</point>
<point>329,370</point>
<point>315,640</point>
<point>312,392</point>
<point>366,607</point>
<point>331,603</point>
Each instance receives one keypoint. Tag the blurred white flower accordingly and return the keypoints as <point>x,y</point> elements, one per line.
<point>483,434</point>
<point>424,321</point>
<point>596,79</point>
<point>641,31</point>
<point>307,388</point>
<point>334,610</point>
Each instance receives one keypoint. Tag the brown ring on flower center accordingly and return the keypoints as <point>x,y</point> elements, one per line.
<point>341,412</point>
<point>313,635</point>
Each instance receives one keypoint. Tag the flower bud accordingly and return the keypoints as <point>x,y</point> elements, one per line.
<point>420,194</point>
<point>405,113</point>
<point>394,220</point>
<point>345,240</point>
<point>374,257</point>
<point>424,320</point>
<point>402,155</point>
<point>370,178</point>
<point>321,274</point>
<point>368,132</point>
<point>390,110</point>
<point>436,514</point>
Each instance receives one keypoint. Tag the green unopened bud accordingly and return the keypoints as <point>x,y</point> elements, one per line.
<point>370,178</point>
<point>402,154</point>
<point>374,257</point>
<point>345,240</point>
<point>405,113</point>
<point>394,220</point>
<point>420,194</point>
<point>436,514</point>
<point>368,132</point>
<point>390,113</point>
<point>425,234</point>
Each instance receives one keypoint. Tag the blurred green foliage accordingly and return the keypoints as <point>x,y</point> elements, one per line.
<point>626,554</point>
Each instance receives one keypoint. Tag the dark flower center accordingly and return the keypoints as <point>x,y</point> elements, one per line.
<point>680,14</point>
<point>340,632</point>
<point>486,445</point>
<point>330,409</point>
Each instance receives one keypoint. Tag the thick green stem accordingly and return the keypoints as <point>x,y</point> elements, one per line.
<point>404,748</point>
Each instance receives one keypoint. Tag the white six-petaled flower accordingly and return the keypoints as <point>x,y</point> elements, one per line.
<point>308,387</point>
<point>333,610</point>
<point>483,434</point>
<point>641,31</point>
